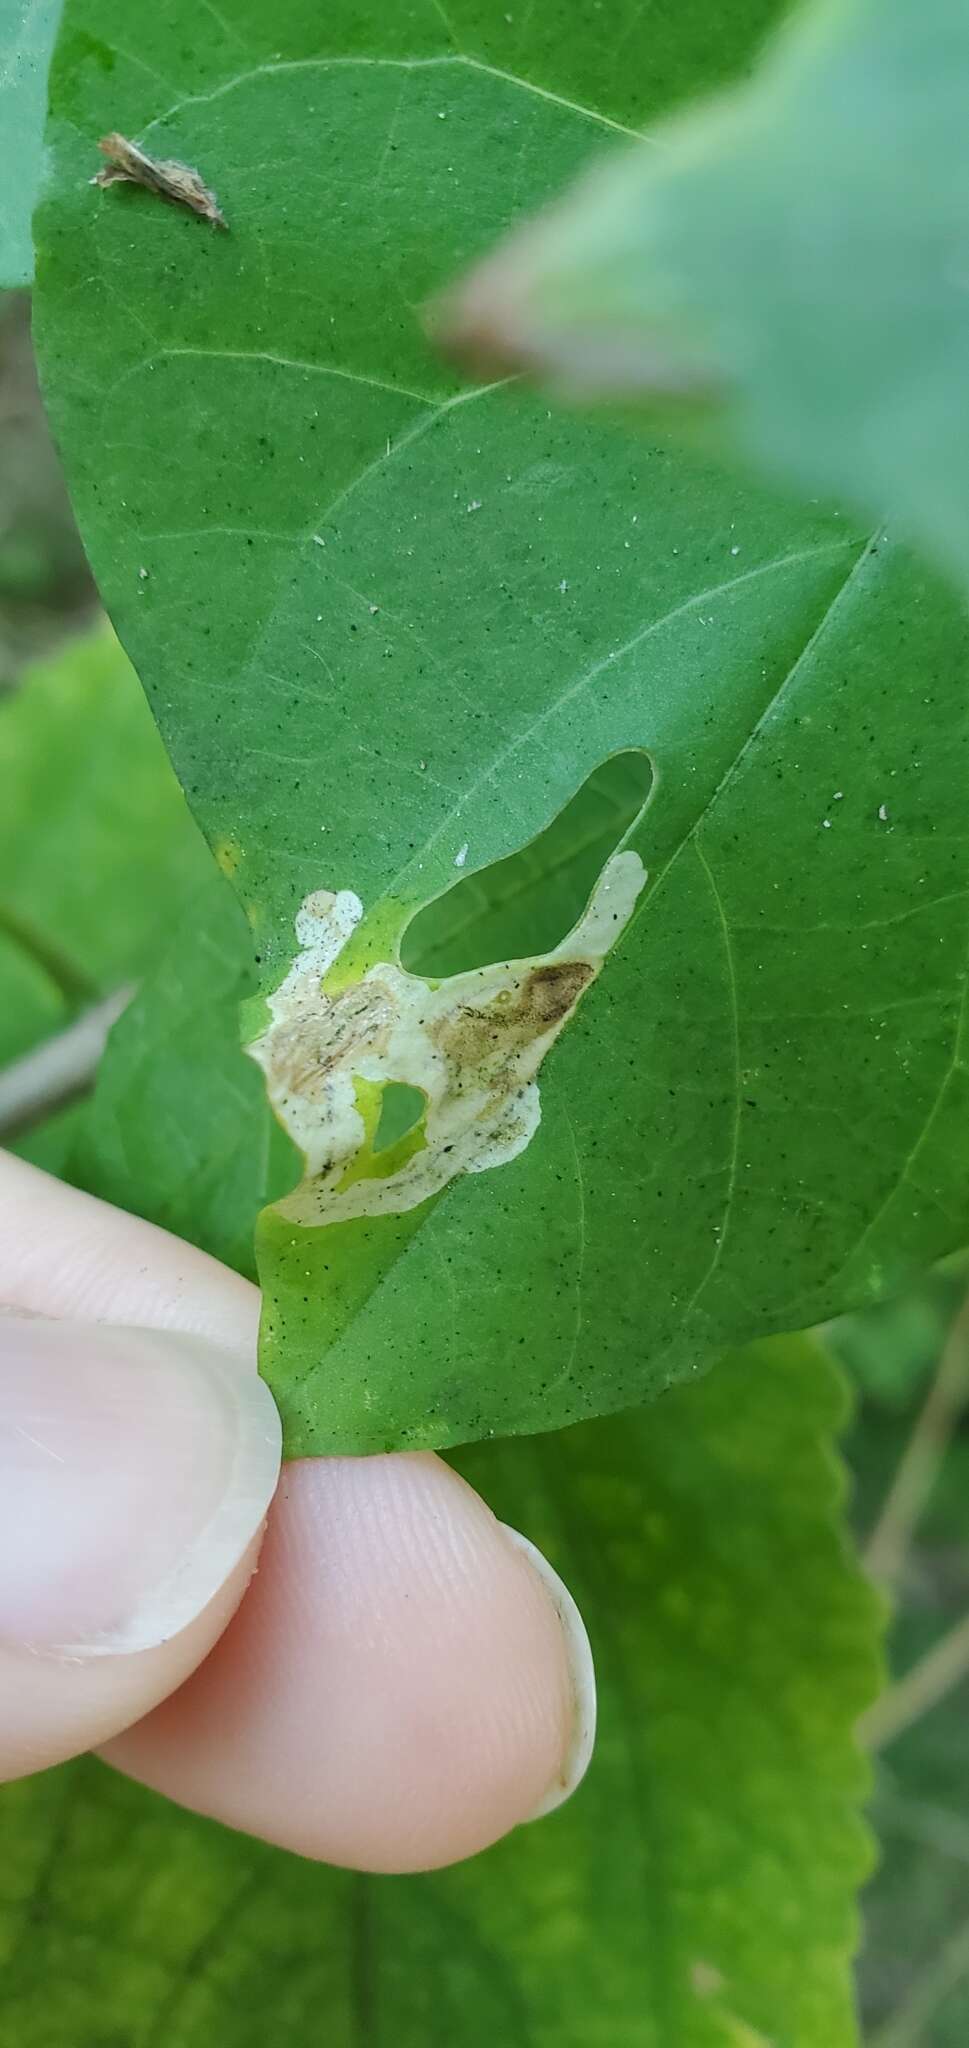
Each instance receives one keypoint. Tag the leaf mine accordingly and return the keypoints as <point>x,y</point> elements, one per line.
<point>472,1045</point>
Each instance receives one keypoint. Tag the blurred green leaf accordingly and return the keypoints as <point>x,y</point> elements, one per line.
<point>98,859</point>
<point>31,1004</point>
<point>696,1892</point>
<point>179,1129</point>
<point>105,878</point>
<point>96,844</point>
<point>33,1007</point>
<point>794,252</point>
<point>27,30</point>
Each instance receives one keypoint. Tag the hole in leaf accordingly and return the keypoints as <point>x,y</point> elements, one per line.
<point>401,1107</point>
<point>529,902</point>
<point>392,1113</point>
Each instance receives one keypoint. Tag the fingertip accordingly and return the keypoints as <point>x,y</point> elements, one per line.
<point>582,1677</point>
<point>398,1689</point>
<point>136,1467</point>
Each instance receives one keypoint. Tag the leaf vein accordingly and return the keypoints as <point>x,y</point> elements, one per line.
<point>442,61</point>
<point>735,1128</point>
<point>242,355</point>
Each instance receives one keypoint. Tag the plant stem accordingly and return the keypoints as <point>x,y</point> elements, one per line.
<point>61,1068</point>
<point>919,1465</point>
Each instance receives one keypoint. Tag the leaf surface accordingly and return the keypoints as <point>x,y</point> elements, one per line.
<point>390,628</point>
<point>697,1891</point>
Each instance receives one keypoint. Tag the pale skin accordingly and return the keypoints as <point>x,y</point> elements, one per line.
<point>394,1687</point>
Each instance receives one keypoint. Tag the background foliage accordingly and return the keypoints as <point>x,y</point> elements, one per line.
<point>777,262</point>
<point>699,1889</point>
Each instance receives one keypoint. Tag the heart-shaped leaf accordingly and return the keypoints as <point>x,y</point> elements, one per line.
<point>391,630</point>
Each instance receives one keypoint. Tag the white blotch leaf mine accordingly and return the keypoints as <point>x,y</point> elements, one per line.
<point>472,1045</point>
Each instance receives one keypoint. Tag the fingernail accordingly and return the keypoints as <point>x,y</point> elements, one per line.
<point>582,1676</point>
<point>135,1468</point>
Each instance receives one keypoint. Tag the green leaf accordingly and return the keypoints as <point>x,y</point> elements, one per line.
<point>179,1129</point>
<point>27,30</point>
<point>697,1891</point>
<point>32,1004</point>
<point>389,631</point>
<point>794,252</point>
<point>98,856</point>
<point>32,1008</point>
<point>106,881</point>
<point>96,845</point>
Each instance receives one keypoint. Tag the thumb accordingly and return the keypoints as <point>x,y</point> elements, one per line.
<point>136,1468</point>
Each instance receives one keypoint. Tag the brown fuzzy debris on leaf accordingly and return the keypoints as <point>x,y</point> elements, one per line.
<point>128,165</point>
